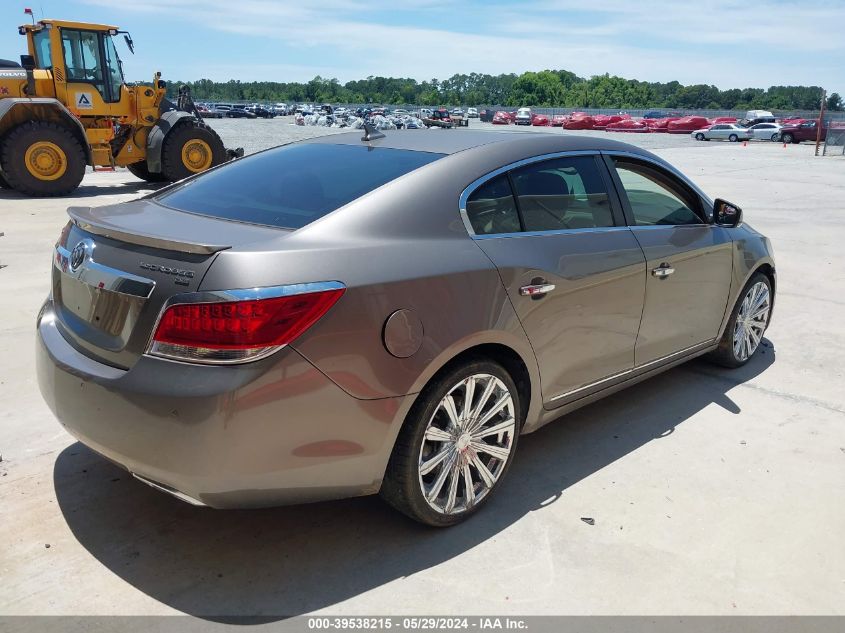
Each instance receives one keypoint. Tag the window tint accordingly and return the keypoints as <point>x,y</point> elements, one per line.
<point>113,67</point>
<point>491,208</point>
<point>563,193</point>
<point>656,197</point>
<point>42,49</point>
<point>82,58</point>
<point>293,185</point>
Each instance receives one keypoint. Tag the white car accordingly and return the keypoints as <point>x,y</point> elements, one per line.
<point>425,112</point>
<point>722,131</point>
<point>765,131</point>
<point>524,116</point>
<point>472,113</point>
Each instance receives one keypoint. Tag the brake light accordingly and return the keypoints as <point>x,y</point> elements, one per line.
<point>238,331</point>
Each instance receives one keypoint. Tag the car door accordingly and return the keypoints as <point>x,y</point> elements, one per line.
<point>573,271</point>
<point>689,260</point>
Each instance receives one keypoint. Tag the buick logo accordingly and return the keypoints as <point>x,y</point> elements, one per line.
<point>77,256</point>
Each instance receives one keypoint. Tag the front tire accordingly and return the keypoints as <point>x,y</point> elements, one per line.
<point>733,138</point>
<point>40,158</point>
<point>190,148</point>
<point>455,446</point>
<point>699,137</point>
<point>748,323</point>
<point>788,138</point>
<point>775,137</point>
<point>140,170</point>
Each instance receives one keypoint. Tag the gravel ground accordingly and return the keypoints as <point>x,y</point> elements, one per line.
<point>257,134</point>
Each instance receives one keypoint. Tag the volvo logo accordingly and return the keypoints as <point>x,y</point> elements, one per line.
<point>77,256</point>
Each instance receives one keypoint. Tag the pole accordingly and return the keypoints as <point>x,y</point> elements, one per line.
<point>819,124</point>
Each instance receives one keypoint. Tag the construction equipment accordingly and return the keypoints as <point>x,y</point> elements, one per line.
<point>66,105</point>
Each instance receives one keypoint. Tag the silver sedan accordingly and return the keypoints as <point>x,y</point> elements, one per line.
<point>723,132</point>
<point>765,131</point>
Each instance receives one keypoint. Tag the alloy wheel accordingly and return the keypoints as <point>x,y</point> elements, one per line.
<point>751,321</point>
<point>467,443</point>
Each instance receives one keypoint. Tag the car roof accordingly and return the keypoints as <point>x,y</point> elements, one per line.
<point>452,142</point>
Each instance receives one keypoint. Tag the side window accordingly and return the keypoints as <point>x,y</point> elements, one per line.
<point>42,49</point>
<point>657,198</point>
<point>491,208</point>
<point>82,58</point>
<point>562,193</point>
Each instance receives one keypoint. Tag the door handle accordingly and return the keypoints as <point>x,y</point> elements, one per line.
<point>662,271</point>
<point>534,290</point>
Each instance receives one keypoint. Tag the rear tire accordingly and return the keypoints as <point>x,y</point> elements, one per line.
<point>445,491</point>
<point>41,158</point>
<point>190,148</point>
<point>140,170</point>
<point>788,138</point>
<point>775,137</point>
<point>733,138</point>
<point>747,325</point>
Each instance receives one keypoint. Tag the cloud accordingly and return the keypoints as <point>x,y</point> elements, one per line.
<point>719,42</point>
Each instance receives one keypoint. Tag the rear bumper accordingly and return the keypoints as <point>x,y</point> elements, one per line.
<point>271,432</point>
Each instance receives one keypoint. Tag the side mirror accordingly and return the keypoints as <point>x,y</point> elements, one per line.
<point>129,43</point>
<point>726,213</point>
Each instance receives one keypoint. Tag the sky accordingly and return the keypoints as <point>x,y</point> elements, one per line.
<point>725,43</point>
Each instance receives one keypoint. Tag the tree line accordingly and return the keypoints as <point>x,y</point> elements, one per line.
<point>547,88</point>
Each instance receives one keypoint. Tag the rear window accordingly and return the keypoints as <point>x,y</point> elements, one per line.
<point>291,186</point>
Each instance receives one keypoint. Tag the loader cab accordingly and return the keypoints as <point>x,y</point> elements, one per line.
<point>83,62</point>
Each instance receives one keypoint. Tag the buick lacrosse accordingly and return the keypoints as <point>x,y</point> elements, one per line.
<point>345,316</point>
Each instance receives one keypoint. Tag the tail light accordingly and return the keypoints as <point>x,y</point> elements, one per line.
<point>240,325</point>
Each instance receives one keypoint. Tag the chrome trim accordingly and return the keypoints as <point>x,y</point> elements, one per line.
<point>172,352</point>
<point>475,184</point>
<point>662,271</point>
<point>100,276</point>
<point>647,227</point>
<point>634,369</point>
<point>594,229</point>
<point>171,491</point>
<point>535,290</point>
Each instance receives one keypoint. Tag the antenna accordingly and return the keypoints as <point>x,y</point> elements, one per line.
<point>371,133</point>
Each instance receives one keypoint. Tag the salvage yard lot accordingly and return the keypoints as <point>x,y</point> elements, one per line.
<point>711,491</point>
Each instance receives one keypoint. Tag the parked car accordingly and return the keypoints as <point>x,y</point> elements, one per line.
<point>540,120</point>
<point>654,114</point>
<point>281,109</point>
<point>765,131</point>
<point>601,121</point>
<point>628,125</point>
<point>722,132</point>
<point>425,112</point>
<point>579,121</point>
<point>240,113</point>
<point>472,113</point>
<point>457,112</point>
<point>260,111</point>
<point>659,125</point>
<point>806,131</point>
<point>256,356</point>
<point>502,118</point>
<point>439,118</point>
<point>524,116</point>
<point>207,112</point>
<point>687,124</point>
<point>559,119</point>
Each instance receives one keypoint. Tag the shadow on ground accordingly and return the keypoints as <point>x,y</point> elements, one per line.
<point>287,561</point>
<point>92,191</point>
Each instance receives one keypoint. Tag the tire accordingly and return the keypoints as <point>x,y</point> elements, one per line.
<point>733,138</point>
<point>758,294</point>
<point>3,183</point>
<point>64,159</point>
<point>787,138</point>
<point>699,137</point>
<point>190,132</point>
<point>140,170</point>
<point>775,137</point>
<point>404,483</point>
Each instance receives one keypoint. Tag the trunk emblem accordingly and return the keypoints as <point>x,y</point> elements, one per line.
<point>78,255</point>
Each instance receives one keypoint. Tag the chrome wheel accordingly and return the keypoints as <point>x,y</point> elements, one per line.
<point>467,443</point>
<point>751,321</point>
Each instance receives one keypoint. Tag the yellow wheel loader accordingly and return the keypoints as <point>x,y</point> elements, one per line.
<point>66,105</point>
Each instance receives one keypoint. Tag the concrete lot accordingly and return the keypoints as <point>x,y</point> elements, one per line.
<point>713,491</point>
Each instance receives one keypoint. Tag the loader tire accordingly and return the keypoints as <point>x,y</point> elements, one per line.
<point>40,158</point>
<point>3,183</point>
<point>140,170</point>
<point>190,148</point>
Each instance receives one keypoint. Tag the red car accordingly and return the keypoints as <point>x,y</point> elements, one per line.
<point>540,120</point>
<point>660,125</point>
<point>724,119</point>
<point>628,125</point>
<point>601,121</point>
<point>687,124</point>
<point>580,122</point>
<point>559,119</point>
<point>502,118</point>
<point>805,131</point>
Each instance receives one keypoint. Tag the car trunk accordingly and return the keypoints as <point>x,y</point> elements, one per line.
<point>113,272</point>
